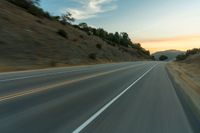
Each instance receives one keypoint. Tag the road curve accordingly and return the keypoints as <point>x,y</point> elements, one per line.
<point>131,97</point>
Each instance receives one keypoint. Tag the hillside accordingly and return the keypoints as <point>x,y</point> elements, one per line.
<point>193,59</point>
<point>27,42</point>
<point>171,54</point>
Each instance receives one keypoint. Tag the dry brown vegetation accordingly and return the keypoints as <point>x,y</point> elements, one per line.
<point>187,74</point>
<point>28,42</point>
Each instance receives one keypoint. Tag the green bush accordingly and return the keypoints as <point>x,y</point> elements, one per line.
<point>75,39</point>
<point>36,11</point>
<point>163,58</point>
<point>62,33</point>
<point>39,21</point>
<point>93,56</point>
<point>181,57</point>
<point>81,36</point>
<point>52,63</point>
<point>99,46</point>
<point>187,54</point>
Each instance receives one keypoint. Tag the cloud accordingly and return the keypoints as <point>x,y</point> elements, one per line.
<point>91,8</point>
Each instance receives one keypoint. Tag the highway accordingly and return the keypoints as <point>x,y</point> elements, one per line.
<point>131,97</point>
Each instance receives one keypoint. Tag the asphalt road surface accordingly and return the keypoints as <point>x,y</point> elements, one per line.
<point>132,97</point>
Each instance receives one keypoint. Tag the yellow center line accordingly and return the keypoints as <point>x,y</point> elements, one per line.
<point>41,89</point>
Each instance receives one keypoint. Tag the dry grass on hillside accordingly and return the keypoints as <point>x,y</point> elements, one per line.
<point>27,41</point>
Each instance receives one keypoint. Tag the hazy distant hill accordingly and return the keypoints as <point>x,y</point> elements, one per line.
<point>28,41</point>
<point>171,54</point>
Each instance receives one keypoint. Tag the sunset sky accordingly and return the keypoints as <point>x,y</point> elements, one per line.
<point>156,24</point>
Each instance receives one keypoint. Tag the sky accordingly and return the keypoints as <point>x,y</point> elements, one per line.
<point>157,24</point>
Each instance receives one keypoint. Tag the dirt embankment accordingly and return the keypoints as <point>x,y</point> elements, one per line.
<point>29,42</point>
<point>187,75</point>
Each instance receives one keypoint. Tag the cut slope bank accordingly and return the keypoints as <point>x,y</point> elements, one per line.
<point>28,42</point>
<point>187,75</point>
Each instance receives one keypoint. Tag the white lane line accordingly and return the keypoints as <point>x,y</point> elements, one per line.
<point>93,117</point>
<point>42,75</point>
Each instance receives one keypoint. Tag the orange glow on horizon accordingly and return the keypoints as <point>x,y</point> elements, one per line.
<point>182,43</point>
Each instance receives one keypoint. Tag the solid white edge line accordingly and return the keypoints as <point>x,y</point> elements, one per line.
<point>93,117</point>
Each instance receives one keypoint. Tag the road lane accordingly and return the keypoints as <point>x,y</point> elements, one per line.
<point>12,76</point>
<point>100,111</point>
<point>21,83</point>
<point>145,107</point>
<point>151,106</point>
<point>55,85</point>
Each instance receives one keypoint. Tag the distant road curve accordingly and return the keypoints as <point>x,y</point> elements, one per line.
<point>130,97</point>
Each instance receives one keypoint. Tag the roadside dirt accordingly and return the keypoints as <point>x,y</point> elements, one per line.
<point>188,77</point>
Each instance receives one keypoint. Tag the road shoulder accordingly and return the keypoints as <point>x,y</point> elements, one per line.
<point>187,89</point>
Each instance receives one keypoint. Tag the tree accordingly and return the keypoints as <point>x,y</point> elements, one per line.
<point>117,38</point>
<point>163,58</point>
<point>67,18</point>
<point>101,33</point>
<point>111,37</point>
<point>153,57</point>
<point>83,25</point>
<point>192,51</point>
<point>34,2</point>
<point>26,4</point>
<point>125,40</point>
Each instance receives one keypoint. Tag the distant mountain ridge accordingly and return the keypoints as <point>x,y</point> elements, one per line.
<point>171,54</point>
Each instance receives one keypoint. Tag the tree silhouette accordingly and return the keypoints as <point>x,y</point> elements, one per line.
<point>67,18</point>
<point>163,58</point>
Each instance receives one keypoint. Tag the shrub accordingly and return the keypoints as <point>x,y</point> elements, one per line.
<point>89,33</point>
<point>93,56</point>
<point>56,18</point>
<point>81,36</point>
<point>62,33</point>
<point>36,11</point>
<point>187,54</point>
<point>52,63</point>
<point>39,21</point>
<point>99,46</point>
<point>111,43</point>
<point>181,57</point>
<point>163,58</point>
<point>76,26</point>
<point>153,57</point>
<point>75,39</point>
